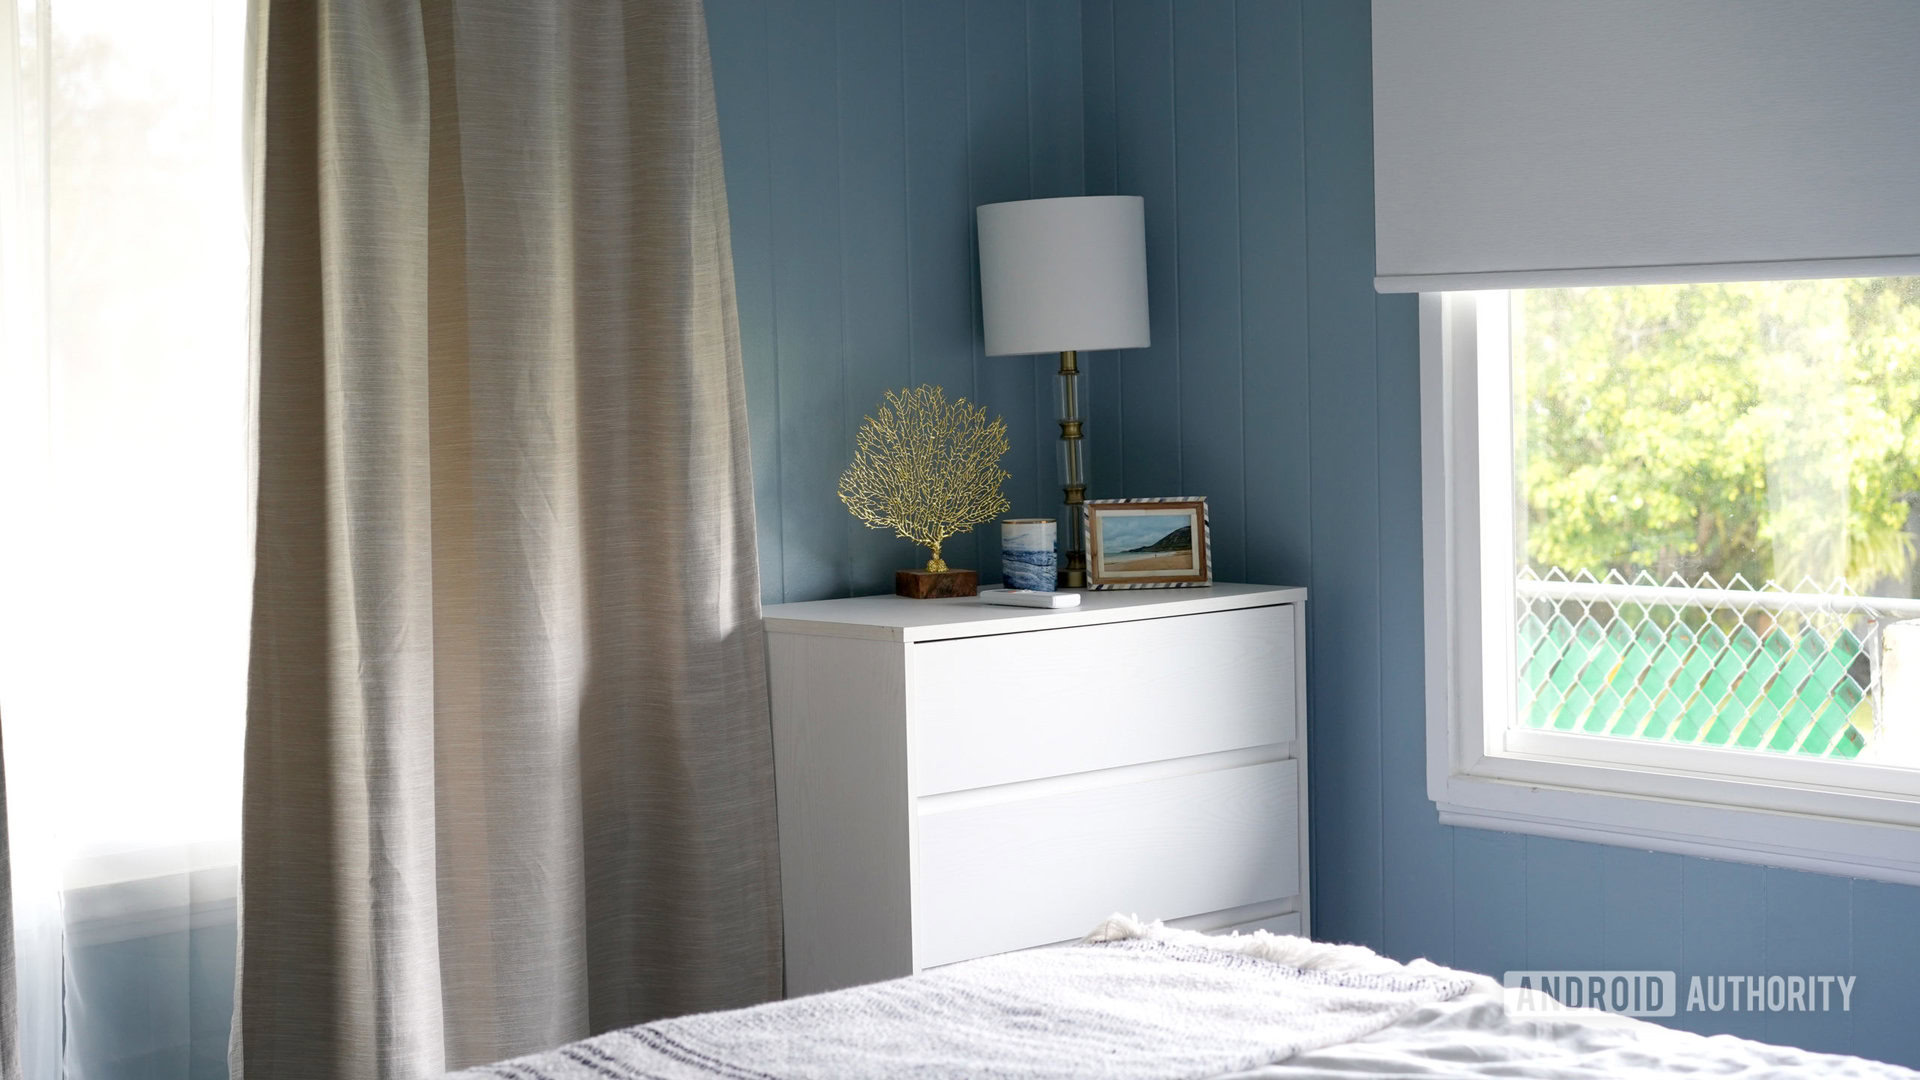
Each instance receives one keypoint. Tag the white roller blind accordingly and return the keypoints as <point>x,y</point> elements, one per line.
<point>1550,142</point>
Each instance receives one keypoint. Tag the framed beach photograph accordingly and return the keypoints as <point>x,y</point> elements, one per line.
<point>1148,543</point>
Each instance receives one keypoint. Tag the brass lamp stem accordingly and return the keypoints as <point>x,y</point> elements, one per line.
<point>1074,574</point>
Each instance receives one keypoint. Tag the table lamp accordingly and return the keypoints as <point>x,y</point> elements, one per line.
<point>1063,275</point>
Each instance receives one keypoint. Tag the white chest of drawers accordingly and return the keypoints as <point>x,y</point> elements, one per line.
<point>957,779</point>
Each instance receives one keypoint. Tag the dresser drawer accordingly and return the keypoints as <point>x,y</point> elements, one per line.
<point>994,710</point>
<point>1009,875</point>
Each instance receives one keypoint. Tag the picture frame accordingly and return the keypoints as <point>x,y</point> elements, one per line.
<point>1138,543</point>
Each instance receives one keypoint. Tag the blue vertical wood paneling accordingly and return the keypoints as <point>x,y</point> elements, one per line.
<point>1723,931</point>
<point>1000,168</point>
<point>737,30</point>
<point>1100,379</point>
<point>1056,95</point>
<point>1345,662</point>
<point>1207,254</point>
<point>1273,291</point>
<point>1144,165</point>
<point>1809,933</point>
<point>809,355</point>
<point>1057,99</point>
<point>873,249</point>
<point>940,228</point>
<point>1566,898</point>
<point>1640,909</point>
<point>1887,976</point>
<point>857,134</point>
<point>1489,927</point>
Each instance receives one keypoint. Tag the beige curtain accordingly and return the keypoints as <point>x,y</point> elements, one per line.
<point>508,766</point>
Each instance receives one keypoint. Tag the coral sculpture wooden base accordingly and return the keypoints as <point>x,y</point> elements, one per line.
<point>927,585</point>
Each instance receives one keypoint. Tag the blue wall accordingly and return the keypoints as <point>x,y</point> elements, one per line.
<point>149,986</point>
<point>1286,390</point>
<point>858,136</point>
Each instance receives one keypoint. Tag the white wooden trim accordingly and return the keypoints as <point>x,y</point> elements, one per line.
<point>1492,427</point>
<point>1875,792</point>
<point>1853,819</point>
<point>1440,539</point>
<point>1796,841</point>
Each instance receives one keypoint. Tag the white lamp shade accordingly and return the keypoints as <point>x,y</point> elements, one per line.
<point>1061,274</point>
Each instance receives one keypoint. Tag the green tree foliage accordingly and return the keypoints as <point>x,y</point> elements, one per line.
<point>1767,429</point>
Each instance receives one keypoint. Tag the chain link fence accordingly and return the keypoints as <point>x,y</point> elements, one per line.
<point>1716,664</point>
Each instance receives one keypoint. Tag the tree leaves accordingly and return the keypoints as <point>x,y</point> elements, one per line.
<point>1766,429</point>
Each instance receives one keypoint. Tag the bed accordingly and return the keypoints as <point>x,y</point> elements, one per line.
<point>1139,1001</point>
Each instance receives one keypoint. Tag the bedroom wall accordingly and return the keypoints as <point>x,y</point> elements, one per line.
<point>1286,390</point>
<point>858,136</point>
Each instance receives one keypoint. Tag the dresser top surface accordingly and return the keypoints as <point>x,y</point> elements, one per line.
<point>896,618</point>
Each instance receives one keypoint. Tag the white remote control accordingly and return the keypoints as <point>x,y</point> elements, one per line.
<point>1030,598</point>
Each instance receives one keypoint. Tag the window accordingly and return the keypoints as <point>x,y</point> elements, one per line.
<point>1673,542</point>
<point>126,560</point>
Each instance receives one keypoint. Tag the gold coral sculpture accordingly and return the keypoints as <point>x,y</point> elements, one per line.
<point>926,468</point>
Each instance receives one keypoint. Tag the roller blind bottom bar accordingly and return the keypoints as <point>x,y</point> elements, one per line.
<point>1558,278</point>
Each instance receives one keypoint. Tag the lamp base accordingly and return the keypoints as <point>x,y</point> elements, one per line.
<point>1074,574</point>
<point>927,585</point>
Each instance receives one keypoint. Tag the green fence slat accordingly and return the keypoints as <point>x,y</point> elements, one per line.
<point>1849,744</point>
<point>1641,673</point>
<point>1696,710</point>
<point>1665,711</point>
<point>1636,708</point>
<point>1795,718</point>
<point>1758,725</point>
<point>1574,712</point>
<point>1828,718</point>
<point>1745,665</point>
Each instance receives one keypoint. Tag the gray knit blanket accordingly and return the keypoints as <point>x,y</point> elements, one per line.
<point>1156,1007</point>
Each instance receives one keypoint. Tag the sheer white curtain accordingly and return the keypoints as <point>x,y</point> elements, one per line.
<point>125,553</point>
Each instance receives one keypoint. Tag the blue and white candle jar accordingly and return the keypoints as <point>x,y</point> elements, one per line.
<point>1027,559</point>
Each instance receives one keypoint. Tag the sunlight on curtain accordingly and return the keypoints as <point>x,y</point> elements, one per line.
<point>125,565</point>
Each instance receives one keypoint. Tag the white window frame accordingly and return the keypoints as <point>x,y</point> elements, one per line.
<point>1846,818</point>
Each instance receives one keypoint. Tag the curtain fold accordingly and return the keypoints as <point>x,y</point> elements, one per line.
<point>508,765</point>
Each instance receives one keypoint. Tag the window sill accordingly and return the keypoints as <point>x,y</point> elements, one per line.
<point>1798,841</point>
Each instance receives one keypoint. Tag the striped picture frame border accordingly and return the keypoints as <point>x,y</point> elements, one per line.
<point>1099,579</point>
